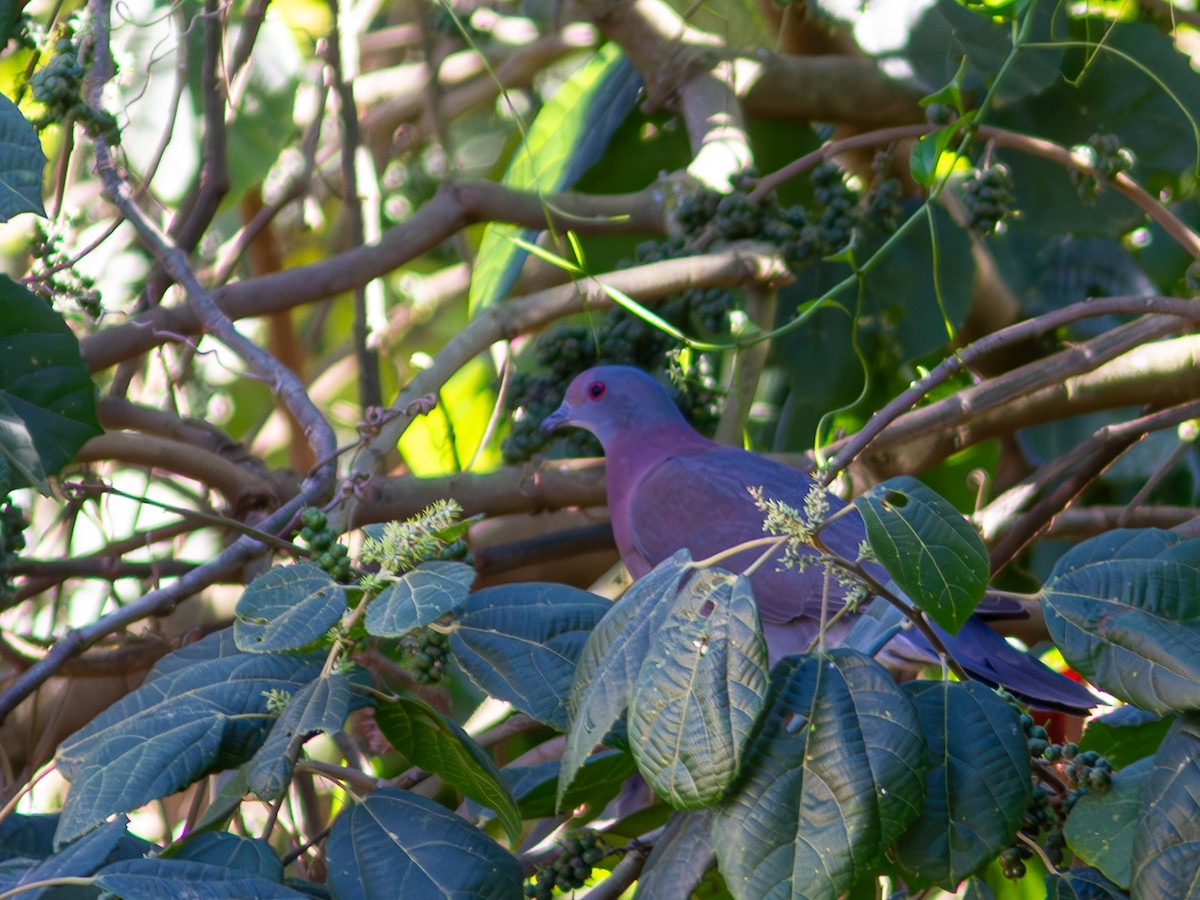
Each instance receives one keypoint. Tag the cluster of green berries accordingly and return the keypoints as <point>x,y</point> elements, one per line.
<point>987,195</point>
<point>12,541</point>
<point>60,278</point>
<point>327,553</point>
<point>572,867</point>
<point>58,87</point>
<point>430,653</point>
<point>1048,810</point>
<point>1106,158</point>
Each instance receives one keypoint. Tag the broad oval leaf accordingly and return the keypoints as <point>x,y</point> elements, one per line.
<point>287,608</point>
<point>931,551</point>
<point>321,706</point>
<point>977,787</point>
<point>438,745</point>
<point>520,643</point>
<point>834,775</point>
<point>1166,845</point>
<point>1081,884</point>
<point>535,788</point>
<point>190,717</point>
<point>569,134</point>
<point>155,878</point>
<point>1124,609</point>
<point>1125,735</point>
<point>613,656</point>
<point>699,691</point>
<point>47,399</point>
<point>398,844</point>
<point>232,851</point>
<point>21,158</point>
<point>419,597</point>
<point>77,860</point>
<point>1101,826</point>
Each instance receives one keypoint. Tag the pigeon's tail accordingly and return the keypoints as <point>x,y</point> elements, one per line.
<point>988,657</point>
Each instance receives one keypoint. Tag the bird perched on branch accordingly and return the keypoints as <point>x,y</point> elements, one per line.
<point>670,487</point>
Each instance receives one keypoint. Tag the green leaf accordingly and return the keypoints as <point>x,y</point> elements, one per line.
<point>438,745</point>
<point>419,597</point>
<point>77,860</point>
<point>1125,735</point>
<point>977,787</point>
<point>1124,609</point>
<point>535,788</point>
<point>928,151</point>
<point>1101,826</point>
<point>699,691</point>
<point>1081,884</point>
<point>321,706</point>
<point>569,133</point>
<point>155,878</point>
<point>398,844</point>
<point>832,778</point>
<point>1166,845</point>
<point>202,708</point>
<point>287,608</point>
<point>520,643</point>
<point>612,658</point>
<point>220,848</point>
<point>931,551</point>
<point>21,160</point>
<point>680,857</point>
<point>47,400</point>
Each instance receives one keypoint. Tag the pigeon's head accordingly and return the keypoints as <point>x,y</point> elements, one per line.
<point>613,400</point>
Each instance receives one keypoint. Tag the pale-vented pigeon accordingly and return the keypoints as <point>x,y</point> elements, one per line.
<point>669,487</point>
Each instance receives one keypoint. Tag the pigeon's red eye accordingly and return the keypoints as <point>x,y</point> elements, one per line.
<point>596,390</point>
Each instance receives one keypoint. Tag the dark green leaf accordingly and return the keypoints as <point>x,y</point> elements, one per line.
<point>47,400</point>
<point>29,836</point>
<point>231,851</point>
<point>612,658</point>
<point>699,691</point>
<point>153,879</point>
<point>520,643</point>
<point>1081,884</point>
<point>1124,609</point>
<point>438,745</point>
<point>1101,826</point>
<point>535,788</point>
<point>977,786</point>
<point>321,706</point>
<point>419,597</point>
<point>185,721</point>
<point>931,551</point>
<point>288,608</point>
<point>77,860</point>
<point>569,133</point>
<point>1125,735</point>
<point>833,777</point>
<point>681,856</point>
<point>397,844</point>
<point>1166,845</point>
<point>21,156</point>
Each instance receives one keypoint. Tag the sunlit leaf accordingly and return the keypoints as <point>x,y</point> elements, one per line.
<point>419,597</point>
<point>287,608</point>
<point>1166,844</point>
<point>21,156</point>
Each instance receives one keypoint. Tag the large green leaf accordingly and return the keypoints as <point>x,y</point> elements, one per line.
<point>535,788</point>
<point>699,691</point>
<point>77,860</point>
<point>977,786</point>
<point>931,551</point>
<point>569,133</point>
<point>438,745</point>
<point>398,844</point>
<point>47,400</point>
<point>520,643</point>
<point>1124,609</point>
<point>1101,826</point>
<point>205,711</point>
<point>1081,884</point>
<point>1125,735</point>
<point>287,608</point>
<point>831,780</point>
<point>153,879</point>
<point>21,156</point>
<point>1166,845</point>
<point>242,854</point>
<point>321,706</point>
<point>612,658</point>
<point>419,597</point>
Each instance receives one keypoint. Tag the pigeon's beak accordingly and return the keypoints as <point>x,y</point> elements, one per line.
<point>560,416</point>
